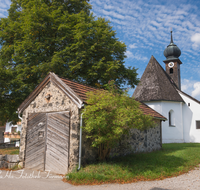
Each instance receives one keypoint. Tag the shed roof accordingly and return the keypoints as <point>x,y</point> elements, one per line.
<point>77,92</point>
<point>82,89</point>
<point>156,85</point>
<point>149,111</point>
<point>78,88</point>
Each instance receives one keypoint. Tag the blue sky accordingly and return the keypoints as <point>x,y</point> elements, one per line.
<point>144,26</point>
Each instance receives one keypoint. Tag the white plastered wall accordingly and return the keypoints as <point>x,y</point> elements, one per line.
<point>170,134</point>
<point>191,114</point>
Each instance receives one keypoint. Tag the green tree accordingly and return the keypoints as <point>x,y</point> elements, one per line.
<point>61,36</point>
<point>109,115</point>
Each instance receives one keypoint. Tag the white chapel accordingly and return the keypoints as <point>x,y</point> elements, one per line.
<point>161,90</point>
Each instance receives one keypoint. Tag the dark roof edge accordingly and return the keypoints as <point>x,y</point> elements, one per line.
<point>188,96</point>
<point>162,119</point>
<point>163,100</point>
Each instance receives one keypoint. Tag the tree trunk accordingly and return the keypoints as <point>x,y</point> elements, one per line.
<point>103,152</point>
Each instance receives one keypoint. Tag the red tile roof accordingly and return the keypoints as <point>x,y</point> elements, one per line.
<point>149,111</point>
<point>81,90</point>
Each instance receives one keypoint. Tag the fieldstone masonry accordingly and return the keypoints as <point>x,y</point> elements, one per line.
<point>8,161</point>
<point>139,141</point>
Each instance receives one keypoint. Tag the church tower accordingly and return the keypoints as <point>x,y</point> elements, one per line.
<point>172,62</point>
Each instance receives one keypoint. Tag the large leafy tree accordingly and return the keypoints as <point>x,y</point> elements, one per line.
<point>61,36</point>
<point>109,114</point>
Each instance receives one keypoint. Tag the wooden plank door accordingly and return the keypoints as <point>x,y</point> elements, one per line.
<point>35,141</point>
<point>57,142</point>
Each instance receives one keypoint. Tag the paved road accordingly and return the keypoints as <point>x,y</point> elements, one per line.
<point>34,180</point>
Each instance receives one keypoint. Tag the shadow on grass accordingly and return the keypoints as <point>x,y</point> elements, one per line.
<point>159,164</point>
<point>149,165</point>
<point>172,160</point>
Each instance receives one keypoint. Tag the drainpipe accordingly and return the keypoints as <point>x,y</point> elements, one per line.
<point>21,121</point>
<point>80,141</point>
<point>19,116</point>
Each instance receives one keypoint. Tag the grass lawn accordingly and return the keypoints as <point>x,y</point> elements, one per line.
<point>172,160</point>
<point>10,151</point>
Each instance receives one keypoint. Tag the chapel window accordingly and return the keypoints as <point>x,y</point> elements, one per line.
<point>197,124</point>
<point>171,118</point>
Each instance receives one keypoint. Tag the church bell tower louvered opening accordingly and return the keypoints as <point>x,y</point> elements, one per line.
<point>172,62</point>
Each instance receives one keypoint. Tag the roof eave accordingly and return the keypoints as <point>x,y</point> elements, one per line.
<point>188,96</point>
<point>159,118</point>
<point>158,100</point>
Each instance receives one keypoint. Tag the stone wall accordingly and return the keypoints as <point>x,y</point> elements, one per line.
<point>89,154</point>
<point>6,145</point>
<point>139,141</point>
<point>9,161</point>
<point>58,102</point>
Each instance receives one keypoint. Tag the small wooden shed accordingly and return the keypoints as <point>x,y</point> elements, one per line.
<point>51,125</point>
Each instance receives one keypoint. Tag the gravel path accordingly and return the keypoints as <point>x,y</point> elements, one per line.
<point>188,181</point>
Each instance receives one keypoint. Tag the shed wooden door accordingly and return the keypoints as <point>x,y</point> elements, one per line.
<point>48,142</point>
<point>57,142</point>
<point>35,141</point>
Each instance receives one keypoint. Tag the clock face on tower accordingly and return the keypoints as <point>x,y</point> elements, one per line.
<point>171,64</point>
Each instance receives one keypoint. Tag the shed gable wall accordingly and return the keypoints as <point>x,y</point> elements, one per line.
<point>58,102</point>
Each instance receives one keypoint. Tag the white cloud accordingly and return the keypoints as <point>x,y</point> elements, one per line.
<point>133,46</point>
<point>149,22</point>
<point>129,54</point>
<point>196,91</point>
<point>191,87</point>
<point>196,40</point>
<point>187,85</point>
<point>4,6</point>
<point>114,14</point>
<point>137,56</point>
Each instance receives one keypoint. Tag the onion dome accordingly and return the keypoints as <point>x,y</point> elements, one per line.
<point>172,51</point>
